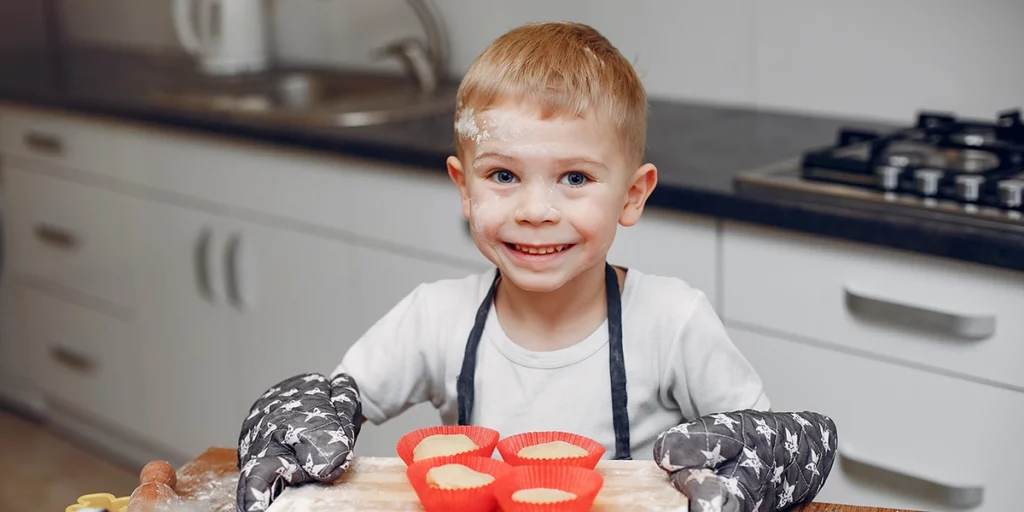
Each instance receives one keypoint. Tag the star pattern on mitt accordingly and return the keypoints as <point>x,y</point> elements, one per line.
<point>748,460</point>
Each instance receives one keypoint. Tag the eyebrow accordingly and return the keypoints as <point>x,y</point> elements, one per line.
<point>562,161</point>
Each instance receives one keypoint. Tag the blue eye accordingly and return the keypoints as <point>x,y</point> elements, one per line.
<point>503,177</point>
<point>575,179</point>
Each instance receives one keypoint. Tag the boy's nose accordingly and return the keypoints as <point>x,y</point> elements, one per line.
<point>536,207</point>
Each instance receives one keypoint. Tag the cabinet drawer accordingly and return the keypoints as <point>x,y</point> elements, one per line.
<point>84,359</point>
<point>908,439</point>
<point>59,139</point>
<point>70,234</point>
<point>923,311</point>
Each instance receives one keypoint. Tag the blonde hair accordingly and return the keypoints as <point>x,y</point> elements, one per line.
<point>565,69</point>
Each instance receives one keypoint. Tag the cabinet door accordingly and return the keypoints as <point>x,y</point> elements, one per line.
<point>293,298</point>
<point>908,439</point>
<point>382,280</point>
<point>671,244</point>
<point>183,326</point>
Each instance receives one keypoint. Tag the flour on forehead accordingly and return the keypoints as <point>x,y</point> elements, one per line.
<point>497,124</point>
<point>502,124</point>
<point>465,125</point>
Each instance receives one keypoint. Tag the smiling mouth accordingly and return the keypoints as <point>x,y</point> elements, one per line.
<point>539,249</point>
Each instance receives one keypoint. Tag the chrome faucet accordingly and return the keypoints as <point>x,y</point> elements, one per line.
<point>427,64</point>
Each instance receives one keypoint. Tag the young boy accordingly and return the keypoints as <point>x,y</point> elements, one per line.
<point>550,136</point>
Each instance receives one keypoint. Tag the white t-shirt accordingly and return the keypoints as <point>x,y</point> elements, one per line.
<point>680,364</point>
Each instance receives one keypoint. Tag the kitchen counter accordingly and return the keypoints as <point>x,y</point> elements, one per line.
<point>698,149</point>
<point>210,480</point>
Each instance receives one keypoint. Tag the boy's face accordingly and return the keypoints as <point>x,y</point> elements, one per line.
<point>544,196</point>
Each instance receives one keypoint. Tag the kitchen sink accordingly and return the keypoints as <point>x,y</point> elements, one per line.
<point>317,99</point>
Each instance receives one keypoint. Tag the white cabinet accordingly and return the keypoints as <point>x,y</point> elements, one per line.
<point>292,308</point>
<point>929,312</point>
<point>70,235</point>
<point>62,140</point>
<point>183,325</point>
<point>382,280</point>
<point>908,439</point>
<point>672,244</point>
<point>84,361</point>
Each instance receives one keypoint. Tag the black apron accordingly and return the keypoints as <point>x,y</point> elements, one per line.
<point>465,386</point>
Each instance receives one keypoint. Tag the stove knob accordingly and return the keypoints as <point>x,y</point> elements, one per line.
<point>928,181</point>
<point>1011,192</point>
<point>968,187</point>
<point>889,176</point>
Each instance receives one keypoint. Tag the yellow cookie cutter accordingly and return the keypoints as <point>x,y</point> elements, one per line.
<point>100,500</point>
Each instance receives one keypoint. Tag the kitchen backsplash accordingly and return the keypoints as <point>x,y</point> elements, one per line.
<point>872,59</point>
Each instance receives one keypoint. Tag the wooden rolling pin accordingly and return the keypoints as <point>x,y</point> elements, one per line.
<point>156,491</point>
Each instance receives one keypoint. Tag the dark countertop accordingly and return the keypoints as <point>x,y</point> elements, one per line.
<point>698,149</point>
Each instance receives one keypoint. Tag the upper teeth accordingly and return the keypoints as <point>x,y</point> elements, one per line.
<point>540,250</point>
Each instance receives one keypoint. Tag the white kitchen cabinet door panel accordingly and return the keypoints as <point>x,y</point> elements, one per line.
<point>284,182</point>
<point>85,360</point>
<point>52,137</point>
<point>415,208</point>
<point>383,279</point>
<point>184,329</point>
<point>74,235</point>
<point>944,443</point>
<point>926,311</point>
<point>292,300</point>
<point>671,244</point>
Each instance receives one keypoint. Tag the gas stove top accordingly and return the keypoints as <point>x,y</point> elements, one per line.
<point>943,168</point>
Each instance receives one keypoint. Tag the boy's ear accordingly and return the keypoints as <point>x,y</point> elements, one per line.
<point>458,176</point>
<point>640,187</point>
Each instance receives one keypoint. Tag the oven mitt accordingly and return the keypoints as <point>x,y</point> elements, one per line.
<point>301,430</point>
<point>748,461</point>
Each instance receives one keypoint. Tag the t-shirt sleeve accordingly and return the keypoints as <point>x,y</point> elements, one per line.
<point>396,362</point>
<point>705,373</point>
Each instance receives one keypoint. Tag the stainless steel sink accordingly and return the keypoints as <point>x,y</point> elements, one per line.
<point>304,98</point>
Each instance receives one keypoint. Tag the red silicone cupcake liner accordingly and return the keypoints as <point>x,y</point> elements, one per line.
<point>510,446</point>
<point>484,438</point>
<point>584,483</point>
<point>477,499</point>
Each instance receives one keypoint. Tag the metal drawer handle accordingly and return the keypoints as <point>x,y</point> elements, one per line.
<point>201,263</point>
<point>44,143</point>
<point>56,236</point>
<point>71,358</point>
<point>236,263</point>
<point>956,324</point>
<point>957,494</point>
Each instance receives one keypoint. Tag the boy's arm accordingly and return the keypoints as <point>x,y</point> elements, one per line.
<point>736,454</point>
<point>704,372</point>
<point>397,362</point>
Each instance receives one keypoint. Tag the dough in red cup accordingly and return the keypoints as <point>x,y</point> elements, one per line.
<point>511,446</point>
<point>580,485</point>
<point>478,498</point>
<point>483,441</point>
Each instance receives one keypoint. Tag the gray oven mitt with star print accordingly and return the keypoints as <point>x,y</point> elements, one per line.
<point>301,430</point>
<point>748,461</point>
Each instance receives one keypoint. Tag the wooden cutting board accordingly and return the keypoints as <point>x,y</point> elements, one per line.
<point>208,483</point>
<point>380,484</point>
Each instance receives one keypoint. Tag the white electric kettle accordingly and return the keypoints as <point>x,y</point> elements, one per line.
<point>227,36</point>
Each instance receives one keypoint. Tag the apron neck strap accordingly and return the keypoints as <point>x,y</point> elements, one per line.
<point>465,385</point>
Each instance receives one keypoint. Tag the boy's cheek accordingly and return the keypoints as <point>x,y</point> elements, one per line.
<point>488,213</point>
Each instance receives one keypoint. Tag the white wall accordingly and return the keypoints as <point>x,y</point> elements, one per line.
<point>873,58</point>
